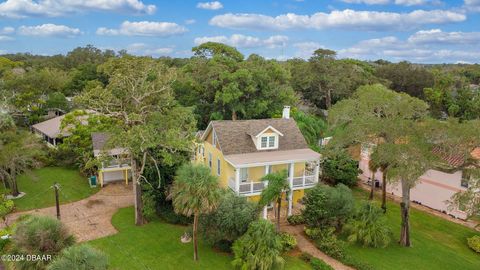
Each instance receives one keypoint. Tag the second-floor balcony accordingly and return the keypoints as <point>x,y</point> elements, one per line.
<point>116,163</point>
<point>249,187</point>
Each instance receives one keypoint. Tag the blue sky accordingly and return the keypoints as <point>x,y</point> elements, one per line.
<point>425,31</point>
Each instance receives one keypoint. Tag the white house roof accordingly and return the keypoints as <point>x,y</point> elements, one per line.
<point>270,158</point>
<point>51,127</point>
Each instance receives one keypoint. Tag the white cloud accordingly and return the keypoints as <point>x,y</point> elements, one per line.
<point>345,19</point>
<point>55,8</point>
<point>210,5</point>
<point>48,29</point>
<point>242,41</point>
<point>5,38</point>
<point>7,30</point>
<point>422,46</point>
<point>437,36</point>
<point>472,5</point>
<point>147,50</point>
<point>306,49</point>
<point>144,28</point>
<point>190,21</point>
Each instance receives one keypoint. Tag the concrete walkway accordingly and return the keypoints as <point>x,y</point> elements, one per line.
<point>89,218</point>
<point>307,246</point>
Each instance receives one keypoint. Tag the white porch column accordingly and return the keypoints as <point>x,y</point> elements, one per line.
<point>316,172</point>
<point>290,195</point>
<point>237,180</point>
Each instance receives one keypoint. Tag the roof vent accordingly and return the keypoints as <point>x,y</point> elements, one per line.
<point>286,112</point>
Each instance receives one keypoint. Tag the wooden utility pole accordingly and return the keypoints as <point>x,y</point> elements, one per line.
<point>57,203</point>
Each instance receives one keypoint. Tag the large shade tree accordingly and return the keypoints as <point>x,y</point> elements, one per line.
<point>19,152</point>
<point>194,192</point>
<point>221,84</point>
<point>151,125</point>
<point>404,136</point>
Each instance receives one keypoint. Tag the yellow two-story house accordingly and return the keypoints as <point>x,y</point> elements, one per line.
<point>241,152</point>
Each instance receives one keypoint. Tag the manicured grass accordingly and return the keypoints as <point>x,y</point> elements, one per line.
<point>436,244</point>
<point>36,184</point>
<point>157,245</point>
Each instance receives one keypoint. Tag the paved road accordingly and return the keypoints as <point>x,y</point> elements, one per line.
<point>89,218</point>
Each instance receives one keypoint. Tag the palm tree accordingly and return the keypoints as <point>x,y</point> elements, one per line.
<point>377,164</point>
<point>19,152</point>
<point>273,192</point>
<point>194,192</point>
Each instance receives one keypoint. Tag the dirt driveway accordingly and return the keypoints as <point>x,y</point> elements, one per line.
<point>89,218</point>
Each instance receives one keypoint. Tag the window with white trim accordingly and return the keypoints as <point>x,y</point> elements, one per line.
<point>218,167</point>
<point>268,142</point>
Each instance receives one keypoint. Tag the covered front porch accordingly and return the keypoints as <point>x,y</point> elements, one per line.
<point>114,172</point>
<point>303,169</point>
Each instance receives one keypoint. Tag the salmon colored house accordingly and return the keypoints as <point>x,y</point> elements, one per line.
<point>241,152</point>
<point>435,187</point>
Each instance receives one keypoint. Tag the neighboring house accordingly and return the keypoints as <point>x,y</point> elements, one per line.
<point>241,152</point>
<point>50,131</point>
<point>434,188</point>
<point>115,162</point>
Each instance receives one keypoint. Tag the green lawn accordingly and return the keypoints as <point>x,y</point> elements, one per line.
<point>437,244</point>
<point>157,245</point>
<point>36,184</point>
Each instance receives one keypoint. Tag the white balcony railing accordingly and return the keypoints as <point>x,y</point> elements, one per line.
<point>115,164</point>
<point>304,181</point>
<point>248,187</point>
<point>252,187</point>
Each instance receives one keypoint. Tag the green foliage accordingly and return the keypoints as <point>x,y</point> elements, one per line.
<point>369,227</point>
<point>6,206</point>
<point>195,190</point>
<point>39,235</point>
<point>406,77</point>
<point>474,243</point>
<point>340,168</point>
<point>212,49</point>
<point>327,206</point>
<point>167,213</point>
<point>318,264</point>
<point>312,127</point>
<point>229,221</point>
<point>273,192</point>
<point>149,205</point>
<point>259,248</point>
<point>296,219</point>
<point>80,257</point>
<point>57,100</point>
<point>288,241</point>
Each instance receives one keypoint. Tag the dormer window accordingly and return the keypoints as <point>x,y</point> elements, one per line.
<point>269,141</point>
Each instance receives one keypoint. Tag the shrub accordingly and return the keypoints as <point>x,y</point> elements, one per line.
<point>474,243</point>
<point>327,206</point>
<point>288,241</point>
<point>295,219</point>
<point>306,256</point>
<point>168,215</point>
<point>80,258</point>
<point>340,168</point>
<point>259,248</point>
<point>6,206</point>
<point>230,220</point>
<point>369,227</point>
<point>41,236</point>
<point>149,205</point>
<point>318,264</point>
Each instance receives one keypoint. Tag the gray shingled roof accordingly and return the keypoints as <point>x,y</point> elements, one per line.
<point>234,136</point>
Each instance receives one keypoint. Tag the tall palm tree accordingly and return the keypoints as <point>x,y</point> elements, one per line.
<point>277,186</point>
<point>19,152</point>
<point>195,191</point>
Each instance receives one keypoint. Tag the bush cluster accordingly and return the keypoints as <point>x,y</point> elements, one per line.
<point>474,243</point>
<point>288,241</point>
<point>316,263</point>
<point>295,219</point>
